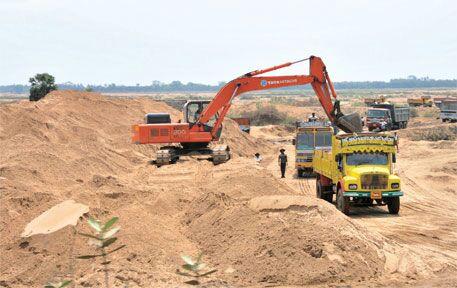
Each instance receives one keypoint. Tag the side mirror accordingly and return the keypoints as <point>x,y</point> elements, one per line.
<point>394,158</point>
<point>293,142</point>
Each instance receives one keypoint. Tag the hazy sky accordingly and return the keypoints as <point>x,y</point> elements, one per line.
<point>129,42</point>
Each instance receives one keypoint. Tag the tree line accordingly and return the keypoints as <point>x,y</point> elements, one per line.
<point>178,86</point>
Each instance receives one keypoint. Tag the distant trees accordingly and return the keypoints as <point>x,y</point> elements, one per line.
<point>41,85</point>
<point>411,82</point>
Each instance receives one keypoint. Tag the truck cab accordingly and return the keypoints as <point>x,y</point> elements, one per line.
<point>359,170</point>
<point>378,118</point>
<point>310,136</point>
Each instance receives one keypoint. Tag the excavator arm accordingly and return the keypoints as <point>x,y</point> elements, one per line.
<point>318,79</point>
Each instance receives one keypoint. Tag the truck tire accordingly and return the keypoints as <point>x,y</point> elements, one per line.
<point>328,196</point>
<point>444,120</point>
<point>342,203</point>
<point>393,204</point>
<point>299,173</point>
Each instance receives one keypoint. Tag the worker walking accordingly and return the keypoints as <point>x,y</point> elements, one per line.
<point>282,161</point>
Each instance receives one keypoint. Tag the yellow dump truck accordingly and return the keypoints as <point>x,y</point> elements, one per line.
<point>425,101</point>
<point>370,101</point>
<point>359,170</point>
<point>310,136</point>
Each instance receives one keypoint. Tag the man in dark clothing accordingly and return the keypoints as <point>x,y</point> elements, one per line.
<point>282,161</point>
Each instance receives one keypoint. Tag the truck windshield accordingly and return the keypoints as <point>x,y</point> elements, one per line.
<point>305,141</point>
<point>323,139</point>
<point>367,158</point>
<point>376,113</point>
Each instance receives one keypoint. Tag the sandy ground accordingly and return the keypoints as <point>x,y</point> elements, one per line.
<point>256,229</point>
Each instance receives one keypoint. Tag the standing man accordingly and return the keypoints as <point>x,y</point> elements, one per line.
<point>396,141</point>
<point>282,161</point>
<point>313,117</point>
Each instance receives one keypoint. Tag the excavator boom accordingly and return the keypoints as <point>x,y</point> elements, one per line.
<point>318,78</point>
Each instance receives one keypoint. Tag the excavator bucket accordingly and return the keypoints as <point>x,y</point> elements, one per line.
<point>350,123</point>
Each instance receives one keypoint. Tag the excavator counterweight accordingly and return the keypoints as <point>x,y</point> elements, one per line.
<point>202,120</point>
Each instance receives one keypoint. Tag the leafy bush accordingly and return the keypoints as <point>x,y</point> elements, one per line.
<point>102,237</point>
<point>41,85</point>
<point>413,112</point>
<point>194,268</point>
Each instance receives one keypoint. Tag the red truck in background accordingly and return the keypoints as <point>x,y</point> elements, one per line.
<point>244,123</point>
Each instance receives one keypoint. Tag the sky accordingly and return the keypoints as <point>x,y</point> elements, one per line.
<point>203,41</point>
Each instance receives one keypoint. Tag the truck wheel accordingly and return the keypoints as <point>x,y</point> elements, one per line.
<point>299,173</point>
<point>342,203</point>
<point>444,120</point>
<point>393,204</point>
<point>370,129</point>
<point>328,197</point>
<point>318,189</point>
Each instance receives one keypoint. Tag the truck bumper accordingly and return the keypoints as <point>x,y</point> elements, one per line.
<point>368,194</point>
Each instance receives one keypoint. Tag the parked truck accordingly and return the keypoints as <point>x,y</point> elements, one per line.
<point>359,170</point>
<point>387,116</point>
<point>424,101</point>
<point>309,137</point>
<point>370,101</point>
<point>448,111</point>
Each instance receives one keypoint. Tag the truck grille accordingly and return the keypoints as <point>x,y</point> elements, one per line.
<point>374,181</point>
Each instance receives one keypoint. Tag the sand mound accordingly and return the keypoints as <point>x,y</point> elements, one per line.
<point>298,241</point>
<point>242,144</point>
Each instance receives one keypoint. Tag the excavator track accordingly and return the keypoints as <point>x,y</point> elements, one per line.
<point>220,154</point>
<point>170,154</point>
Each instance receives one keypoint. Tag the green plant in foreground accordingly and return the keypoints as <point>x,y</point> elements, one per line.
<point>194,268</point>
<point>103,236</point>
<point>101,239</point>
<point>58,285</point>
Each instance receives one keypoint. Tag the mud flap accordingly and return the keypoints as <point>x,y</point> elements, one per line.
<point>350,123</point>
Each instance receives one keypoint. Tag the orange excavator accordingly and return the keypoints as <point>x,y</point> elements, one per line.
<point>202,120</point>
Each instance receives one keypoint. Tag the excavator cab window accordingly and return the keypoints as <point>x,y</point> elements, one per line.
<point>193,110</point>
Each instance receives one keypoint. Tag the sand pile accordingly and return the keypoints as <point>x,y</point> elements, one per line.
<point>74,145</point>
<point>298,241</point>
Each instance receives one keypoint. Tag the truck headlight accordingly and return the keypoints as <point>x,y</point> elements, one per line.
<point>395,185</point>
<point>353,186</point>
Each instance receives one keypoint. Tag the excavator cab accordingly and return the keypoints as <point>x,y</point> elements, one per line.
<point>193,109</point>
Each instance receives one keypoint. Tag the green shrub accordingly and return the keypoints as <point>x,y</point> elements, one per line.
<point>194,268</point>
<point>413,112</point>
<point>41,85</point>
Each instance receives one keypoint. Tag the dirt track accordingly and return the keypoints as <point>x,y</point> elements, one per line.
<point>255,228</point>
